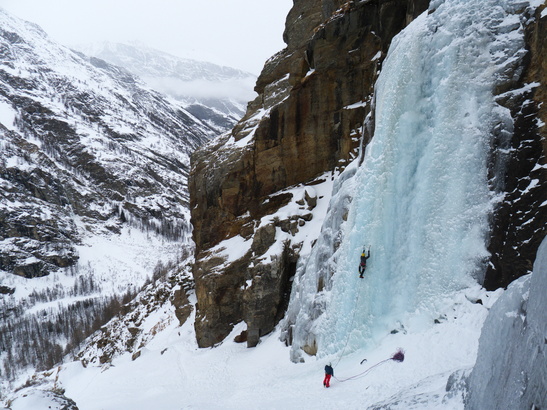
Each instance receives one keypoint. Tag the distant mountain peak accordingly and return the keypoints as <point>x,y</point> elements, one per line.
<point>215,94</point>
<point>151,60</point>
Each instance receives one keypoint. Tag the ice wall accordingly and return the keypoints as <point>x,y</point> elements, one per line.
<point>421,198</point>
<point>511,367</point>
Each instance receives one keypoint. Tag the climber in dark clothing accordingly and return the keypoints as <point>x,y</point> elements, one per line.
<point>329,372</point>
<point>363,264</point>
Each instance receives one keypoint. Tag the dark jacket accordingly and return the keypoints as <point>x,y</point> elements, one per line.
<point>329,370</point>
<point>364,258</point>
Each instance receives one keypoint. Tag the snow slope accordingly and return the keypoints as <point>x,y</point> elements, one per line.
<point>172,373</point>
<point>93,188</point>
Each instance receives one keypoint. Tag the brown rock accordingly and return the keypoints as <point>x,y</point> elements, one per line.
<point>263,239</point>
<point>241,338</point>
<point>183,307</point>
<point>311,201</point>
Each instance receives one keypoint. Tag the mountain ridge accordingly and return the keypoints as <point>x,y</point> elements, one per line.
<point>215,94</point>
<point>92,159</point>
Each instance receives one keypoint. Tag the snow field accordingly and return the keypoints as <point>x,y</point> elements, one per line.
<point>116,262</point>
<point>172,373</point>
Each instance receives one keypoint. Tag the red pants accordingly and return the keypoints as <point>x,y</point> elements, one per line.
<point>326,381</point>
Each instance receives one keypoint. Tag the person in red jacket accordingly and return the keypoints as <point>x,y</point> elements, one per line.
<point>329,372</point>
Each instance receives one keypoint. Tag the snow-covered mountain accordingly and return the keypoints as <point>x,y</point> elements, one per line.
<point>215,94</point>
<point>93,186</point>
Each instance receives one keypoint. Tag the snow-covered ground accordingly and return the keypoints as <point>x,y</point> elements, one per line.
<point>110,266</point>
<point>117,263</point>
<point>82,202</point>
<point>173,373</point>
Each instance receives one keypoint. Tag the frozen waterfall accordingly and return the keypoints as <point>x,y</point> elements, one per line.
<point>422,196</point>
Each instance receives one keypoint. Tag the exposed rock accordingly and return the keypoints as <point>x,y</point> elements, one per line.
<point>130,331</point>
<point>263,239</point>
<point>265,301</point>
<point>310,200</point>
<point>241,338</point>
<point>520,222</point>
<point>308,119</point>
<point>311,349</point>
<point>220,303</point>
<point>183,307</point>
<point>5,290</point>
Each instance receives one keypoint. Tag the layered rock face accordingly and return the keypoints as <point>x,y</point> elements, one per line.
<point>520,220</point>
<point>308,119</point>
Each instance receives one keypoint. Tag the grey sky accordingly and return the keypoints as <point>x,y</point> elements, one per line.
<point>238,33</point>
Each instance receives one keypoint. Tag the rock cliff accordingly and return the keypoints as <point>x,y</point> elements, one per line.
<point>307,121</point>
<point>520,220</point>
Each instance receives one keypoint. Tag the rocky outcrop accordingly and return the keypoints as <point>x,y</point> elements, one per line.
<point>141,319</point>
<point>308,120</point>
<point>520,220</point>
<point>35,241</point>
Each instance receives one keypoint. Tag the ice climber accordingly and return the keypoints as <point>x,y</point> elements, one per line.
<point>363,264</point>
<point>329,372</point>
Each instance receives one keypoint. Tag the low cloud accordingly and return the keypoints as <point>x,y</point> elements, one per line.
<point>240,90</point>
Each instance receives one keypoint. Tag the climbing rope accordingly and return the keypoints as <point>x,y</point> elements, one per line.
<point>351,326</point>
<point>352,319</point>
<point>399,357</point>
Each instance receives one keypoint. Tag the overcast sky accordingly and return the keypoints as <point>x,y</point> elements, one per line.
<point>238,33</point>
